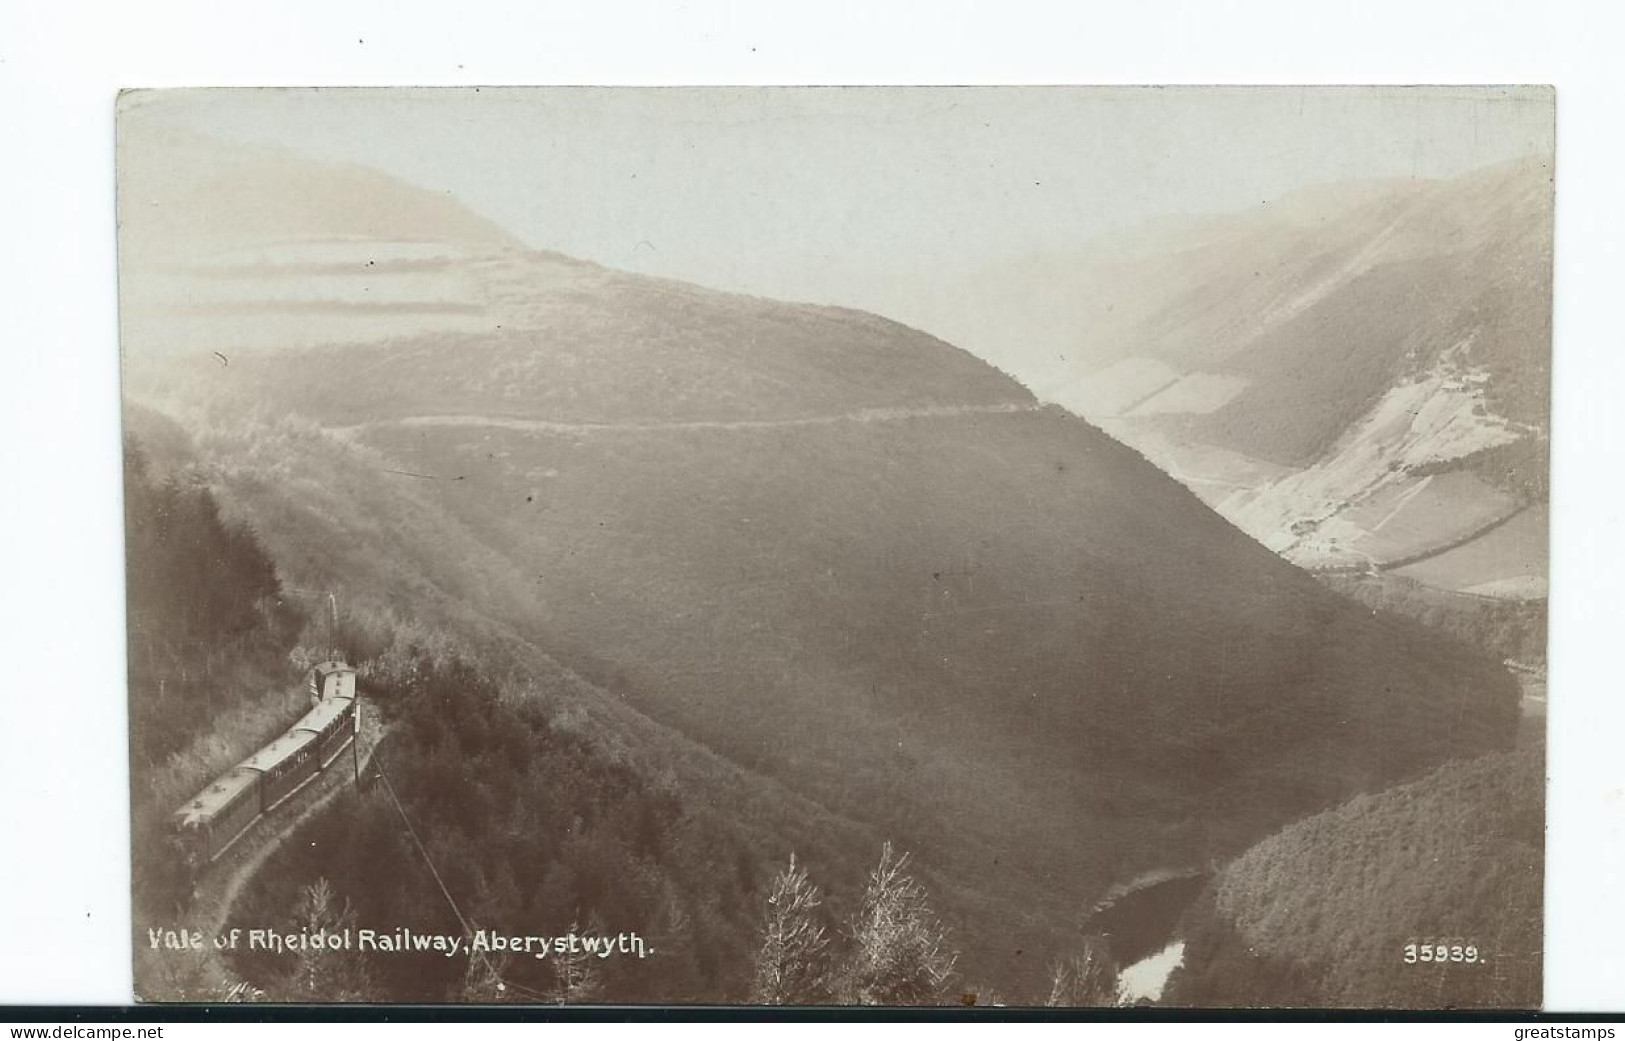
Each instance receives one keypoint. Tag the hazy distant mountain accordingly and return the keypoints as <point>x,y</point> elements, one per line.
<point>1357,375</point>
<point>188,197</point>
<point>854,564</point>
<point>252,247</point>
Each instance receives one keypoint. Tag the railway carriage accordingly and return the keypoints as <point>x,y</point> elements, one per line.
<point>285,766</point>
<point>219,815</point>
<point>333,724</point>
<point>332,679</point>
<point>224,811</point>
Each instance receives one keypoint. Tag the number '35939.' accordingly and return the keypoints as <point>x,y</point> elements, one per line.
<point>1434,953</point>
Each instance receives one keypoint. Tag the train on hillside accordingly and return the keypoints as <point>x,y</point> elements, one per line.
<point>222,813</point>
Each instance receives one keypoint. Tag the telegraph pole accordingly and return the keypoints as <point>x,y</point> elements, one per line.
<point>332,616</point>
<point>355,741</point>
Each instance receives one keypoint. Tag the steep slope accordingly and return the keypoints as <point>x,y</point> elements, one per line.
<point>858,566</point>
<point>1324,912</point>
<point>1357,375</point>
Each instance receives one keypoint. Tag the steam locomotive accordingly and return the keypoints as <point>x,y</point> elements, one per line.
<point>223,812</point>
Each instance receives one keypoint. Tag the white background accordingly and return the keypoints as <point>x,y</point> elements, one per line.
<point>64,903</point>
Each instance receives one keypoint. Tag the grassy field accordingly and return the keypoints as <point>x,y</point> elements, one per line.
<point>1508,561</point>
<point>1412,517</point>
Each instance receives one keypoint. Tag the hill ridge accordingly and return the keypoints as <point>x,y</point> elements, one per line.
<point>871,415</point>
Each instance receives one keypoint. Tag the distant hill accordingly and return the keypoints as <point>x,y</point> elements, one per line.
<point>832,559</point>
<point>250,247</point>
<point>185,196</point>
<point>1323,913</point>
<point>1358,375</point>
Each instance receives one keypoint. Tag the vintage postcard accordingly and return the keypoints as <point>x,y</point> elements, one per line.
<point>862,546</point>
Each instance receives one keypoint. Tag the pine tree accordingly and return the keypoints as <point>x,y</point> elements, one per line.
<point>1087,979</point>
<point>575,977</point>
<point>790,965</point>
<point>321,974</point>
<point>899,952</point>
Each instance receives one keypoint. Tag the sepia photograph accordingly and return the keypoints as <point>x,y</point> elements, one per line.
<point>1024,547</point>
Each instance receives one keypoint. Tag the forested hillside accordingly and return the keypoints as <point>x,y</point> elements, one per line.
<point>1504,628</point>
<point>210,635</point>
<point>204,605</point>
<point>533,827</point>
<point>1350,907</point>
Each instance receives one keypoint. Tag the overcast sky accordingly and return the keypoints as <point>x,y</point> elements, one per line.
<point>849,196</point>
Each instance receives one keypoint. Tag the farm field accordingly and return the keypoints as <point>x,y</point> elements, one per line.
<point>1509,561</point>
<point>1415,516</point>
